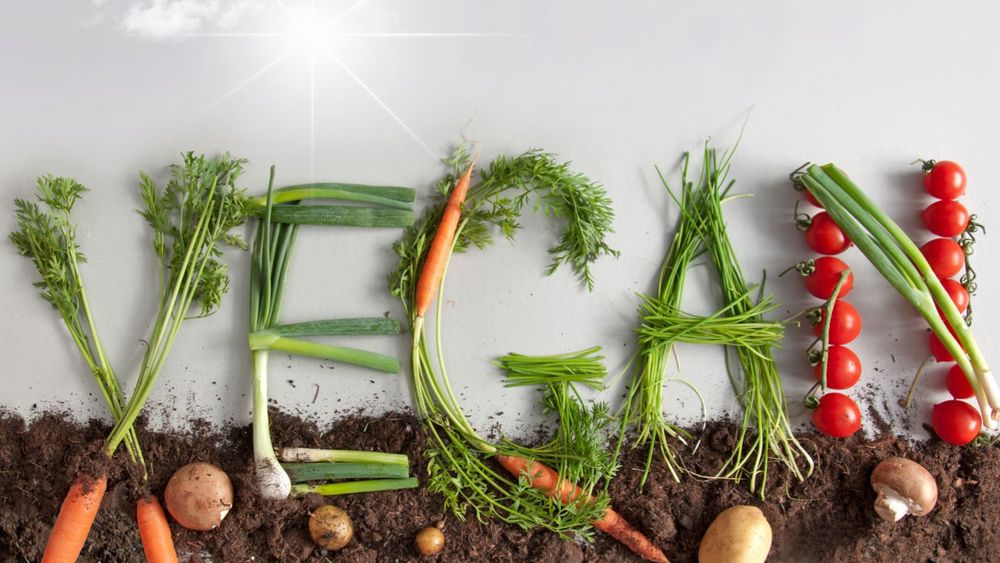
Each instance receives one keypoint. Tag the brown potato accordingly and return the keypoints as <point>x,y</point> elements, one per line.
<point>198,496</point>
<point>330,527</point>
<point>429,541</point>
<point>739,534</point>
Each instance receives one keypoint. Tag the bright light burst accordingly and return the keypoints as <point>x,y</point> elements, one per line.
<point>308,32</point>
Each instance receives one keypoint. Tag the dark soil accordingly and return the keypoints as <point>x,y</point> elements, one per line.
<point>826,518</point>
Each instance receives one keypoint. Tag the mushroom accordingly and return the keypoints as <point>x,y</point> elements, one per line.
<point>903,487</point>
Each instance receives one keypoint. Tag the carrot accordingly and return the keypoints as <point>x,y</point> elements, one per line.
<point>154,531</point>
<point>544,478</point>
<point>76,516</point>
<point>444,238</point>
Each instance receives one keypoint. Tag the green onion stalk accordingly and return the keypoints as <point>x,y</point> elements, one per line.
<point>377,471</point>
<point>270,260</point>
<point>457,454</point>
<point>47,236</point>
<point>901,263</point>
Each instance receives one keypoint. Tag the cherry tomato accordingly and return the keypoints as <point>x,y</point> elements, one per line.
<point>946,180</point>
<point>957,384</point>
<point>946,218</point>
<point>959,295</point>
<point>945,256</point>
<point>938,350</point>
<point>843,368</point>
<point>955,422</point>
<point>812,199</point>
<point>845,324</point>
<point>837,415</point>
<point>825,237</point>
<point>826,274</point>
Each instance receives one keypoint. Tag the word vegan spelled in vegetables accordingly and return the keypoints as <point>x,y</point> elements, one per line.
<point>903,265</point>
<point>457,468</point>
<point>272,248</point>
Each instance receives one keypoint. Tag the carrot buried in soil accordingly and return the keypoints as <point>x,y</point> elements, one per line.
<point>544,478</point>
<point>76,516</point>
<point>154,530</point>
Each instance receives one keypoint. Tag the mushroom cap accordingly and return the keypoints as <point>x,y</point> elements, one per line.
<point>909,480</point>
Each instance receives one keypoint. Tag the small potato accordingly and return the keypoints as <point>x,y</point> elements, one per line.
<point>739,534</point>
<point>429,541</point>
<point>198,496</point>
<point>330,527</point>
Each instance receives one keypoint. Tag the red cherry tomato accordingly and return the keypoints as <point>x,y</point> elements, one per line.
<point>826,274</point>
<point>959,295</point>
<point>957,384</point>
<point>812,199</point>
<point>845,323</point>
<point>938,350</point>
<point>945,256</point>
<point>837,415</point>
<point>825,237</point>
<point>946,180</point>
<point>946,218</point>
<point>956,422</point>
<point>843,368</point>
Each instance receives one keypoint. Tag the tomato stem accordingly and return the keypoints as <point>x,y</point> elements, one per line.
<point>830,304</point>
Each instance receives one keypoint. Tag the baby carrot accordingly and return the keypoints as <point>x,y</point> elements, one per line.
<point>444,238</point>
<point>76,516</point>
<point>544,478</point>
<point>154,531</point>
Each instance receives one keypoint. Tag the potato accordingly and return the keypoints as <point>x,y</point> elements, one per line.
<point>739,534</point>
<point>198,496</point>
<point>330,527</point>
<point>429,541</point>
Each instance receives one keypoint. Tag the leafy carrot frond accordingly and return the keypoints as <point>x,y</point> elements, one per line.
<point>498,200</point>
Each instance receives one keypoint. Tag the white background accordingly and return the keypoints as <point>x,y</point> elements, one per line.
<point>102,90</point>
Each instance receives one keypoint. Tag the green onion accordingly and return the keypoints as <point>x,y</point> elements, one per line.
<point>300,472</point>
<point>293,455</point>
<point>354,487</point>
<point>334,215</point>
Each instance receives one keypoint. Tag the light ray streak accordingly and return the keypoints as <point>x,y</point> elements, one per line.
<point>378,100</point>
<point>345,13</point>
<point>218,34</point>
<point>387,34</point>
<point>241,85</point>
<point>312,101</point>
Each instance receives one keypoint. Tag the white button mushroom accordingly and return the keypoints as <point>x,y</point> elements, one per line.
<point>903,487</point>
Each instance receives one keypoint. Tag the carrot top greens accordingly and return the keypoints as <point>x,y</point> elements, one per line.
<point>47,235</point>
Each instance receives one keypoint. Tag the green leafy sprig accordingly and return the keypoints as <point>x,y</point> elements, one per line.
<point>46,235</point>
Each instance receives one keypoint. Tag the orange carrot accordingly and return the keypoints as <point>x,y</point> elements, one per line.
<point>444,238</point>
<point>76,516</point>
<point>544,478</point>
<point>154,531</point>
